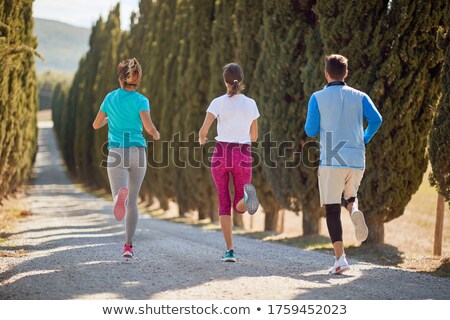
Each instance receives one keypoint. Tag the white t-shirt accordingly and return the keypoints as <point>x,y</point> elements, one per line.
<point>234,117</point>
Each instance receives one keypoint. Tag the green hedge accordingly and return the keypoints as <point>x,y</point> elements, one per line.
<point>18,97</point>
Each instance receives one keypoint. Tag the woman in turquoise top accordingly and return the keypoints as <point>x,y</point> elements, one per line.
<point>126,112</point>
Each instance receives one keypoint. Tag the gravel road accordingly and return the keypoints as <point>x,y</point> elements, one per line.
<point>71,249</point>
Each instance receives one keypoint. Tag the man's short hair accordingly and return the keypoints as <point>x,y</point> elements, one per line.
<point>336,66</point>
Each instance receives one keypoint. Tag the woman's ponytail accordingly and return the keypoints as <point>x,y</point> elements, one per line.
<point>234,77</point>
<point>129,72</point>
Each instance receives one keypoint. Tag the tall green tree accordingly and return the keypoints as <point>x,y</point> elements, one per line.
<point>394,59</point>
<point>105,80</point>
<point>194,184</point>
<point>248,22</point>
<point>59,100</point>
<point>18,97</point>
<point>86,95</point>
<point>170,105</point>
<point>283,104</point>
<point>156,53</point>
<point>439,141</point>
<point>82,148</point>
<point>222,48</point>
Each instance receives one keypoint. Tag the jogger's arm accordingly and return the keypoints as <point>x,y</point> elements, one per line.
<point>209,119</point>
<point>148,124</point>
<point>100,120</point>
<point>254,131</point>
<point>312,124</point>
<point>373,117</point>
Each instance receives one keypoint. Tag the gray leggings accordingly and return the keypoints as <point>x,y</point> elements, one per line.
<point>126,169</point>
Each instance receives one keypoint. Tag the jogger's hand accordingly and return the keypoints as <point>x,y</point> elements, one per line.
<point>202,140</point>
<point>156,136</point>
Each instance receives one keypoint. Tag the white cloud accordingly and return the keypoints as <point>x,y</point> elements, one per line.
<point>83,13</point>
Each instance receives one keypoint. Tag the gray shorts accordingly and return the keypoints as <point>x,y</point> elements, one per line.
<point>334,181</point>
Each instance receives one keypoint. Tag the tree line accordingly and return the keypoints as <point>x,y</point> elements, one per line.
<point>182,46</point>
<point>18,97</point>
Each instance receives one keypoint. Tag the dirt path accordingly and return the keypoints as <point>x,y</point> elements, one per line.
<point>72,250</point>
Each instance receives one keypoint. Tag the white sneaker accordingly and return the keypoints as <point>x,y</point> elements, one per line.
<point>340,265</point>
<point>250,198</point>
<point>361,230</point>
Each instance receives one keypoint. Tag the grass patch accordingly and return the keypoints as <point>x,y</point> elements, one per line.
<point>12,253</point>
<point>8,218</point>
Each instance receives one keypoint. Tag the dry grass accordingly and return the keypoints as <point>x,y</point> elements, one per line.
<point>11,210</point>
<point>12,254</point>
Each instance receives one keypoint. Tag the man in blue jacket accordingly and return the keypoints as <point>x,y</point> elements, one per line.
<point>336,113</point>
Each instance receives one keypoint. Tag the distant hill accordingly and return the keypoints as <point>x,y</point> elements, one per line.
<point>61,44</point>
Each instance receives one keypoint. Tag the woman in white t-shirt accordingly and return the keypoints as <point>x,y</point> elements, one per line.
<point>237,128</point>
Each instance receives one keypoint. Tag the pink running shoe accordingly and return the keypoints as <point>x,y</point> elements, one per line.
<point>120,204</point>
<point>127,252</point>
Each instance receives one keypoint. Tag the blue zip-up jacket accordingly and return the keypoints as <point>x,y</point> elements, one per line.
<point>337,112</point>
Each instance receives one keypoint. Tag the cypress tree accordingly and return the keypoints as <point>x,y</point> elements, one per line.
<point>439,141</point>
<point>194,184</point>
<point>287,26</point>
<point>105,81</point>
<point>248,21</point>
<point>181,95</point>
<point>18,97</point>
<point>66,134</point>
<point>58,103</point>
<point>158,50</point>
<point>83,104</point>
<point>393,59</point>
<point>81,146</point>
<point>249,18</point>
<point>223,45</point>
<point>174,64</point>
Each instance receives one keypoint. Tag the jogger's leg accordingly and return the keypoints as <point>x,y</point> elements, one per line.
<point>333,215</point>
<point>221,178</point>
<point>117,174</point>
<point>352,183</point>
<point>242,175</point>
<point>138,166</point>
<point>331,183</point>
<point>227,230</point>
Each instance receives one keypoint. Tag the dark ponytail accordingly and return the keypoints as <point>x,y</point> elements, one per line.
<point>234,76</point>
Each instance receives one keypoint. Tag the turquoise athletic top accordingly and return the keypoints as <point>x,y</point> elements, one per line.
<point>124,122</point>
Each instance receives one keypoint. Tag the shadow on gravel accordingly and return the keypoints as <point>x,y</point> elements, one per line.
<point>87,265</point>
<point>383,254</point>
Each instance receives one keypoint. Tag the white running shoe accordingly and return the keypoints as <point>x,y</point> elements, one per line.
<point>250,198</point>
<point>361,230</point>
<point>340,265</point>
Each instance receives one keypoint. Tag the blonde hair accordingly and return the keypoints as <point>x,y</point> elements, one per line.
<point>129,72</point>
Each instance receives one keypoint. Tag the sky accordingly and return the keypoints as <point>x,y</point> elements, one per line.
<point>83,13</point>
